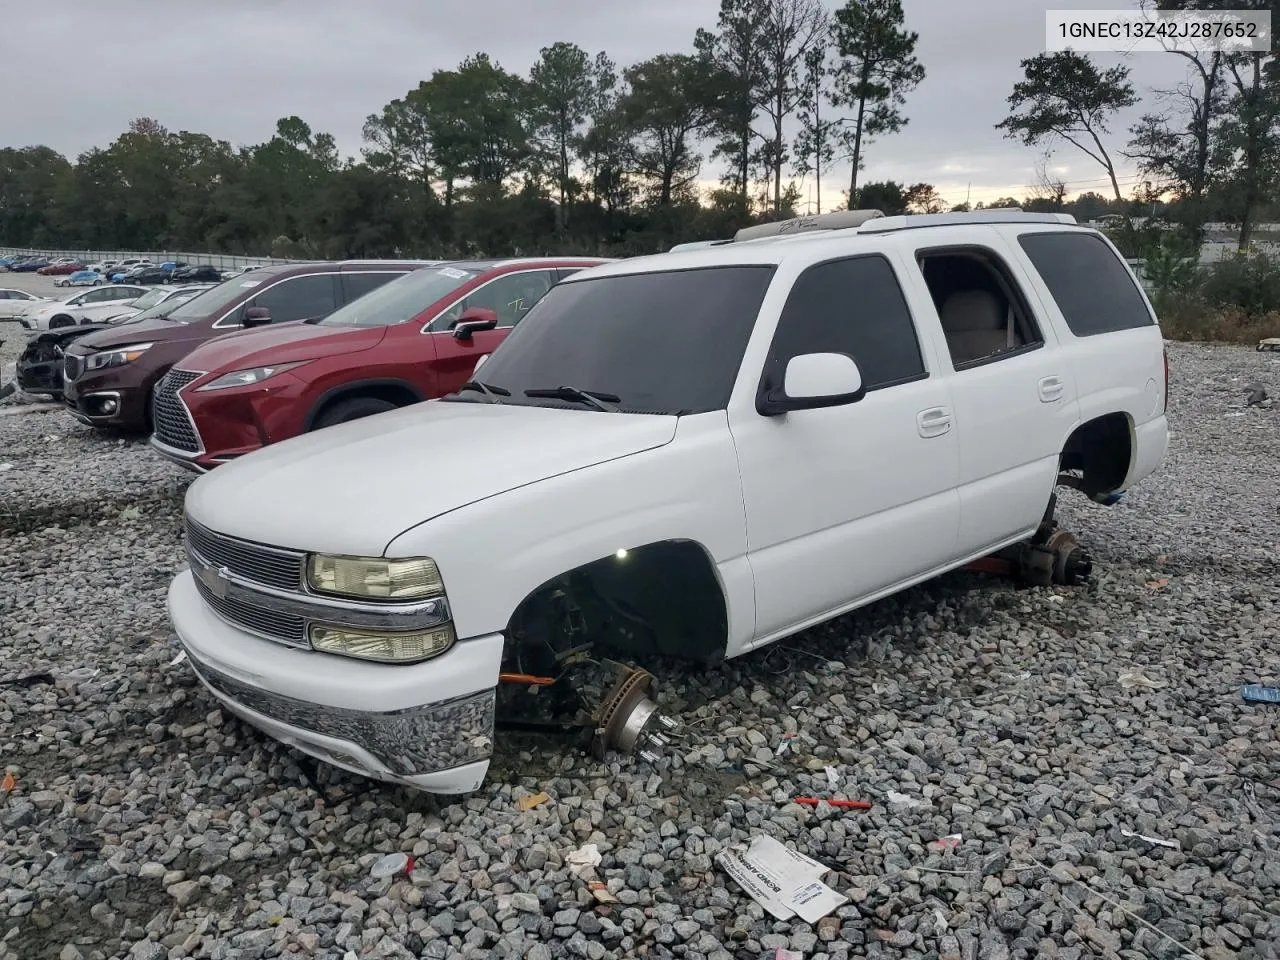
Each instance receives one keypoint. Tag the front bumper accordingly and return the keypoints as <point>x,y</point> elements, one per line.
<point>427,726</point>
<point>234,422</point>
<point>86,395</point>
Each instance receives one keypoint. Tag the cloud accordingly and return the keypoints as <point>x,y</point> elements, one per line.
<point>231,68</point>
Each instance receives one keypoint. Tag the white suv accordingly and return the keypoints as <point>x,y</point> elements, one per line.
<point>695,453</point>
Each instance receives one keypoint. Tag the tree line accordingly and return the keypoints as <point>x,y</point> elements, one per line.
<point>580,156</point>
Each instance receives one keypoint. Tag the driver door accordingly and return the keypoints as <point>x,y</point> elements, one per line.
<point>510,296</point>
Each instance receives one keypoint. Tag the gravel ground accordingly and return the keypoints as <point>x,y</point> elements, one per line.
<point>1040,725</point>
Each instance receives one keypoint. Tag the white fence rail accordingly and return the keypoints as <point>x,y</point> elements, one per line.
<point>219,260</point>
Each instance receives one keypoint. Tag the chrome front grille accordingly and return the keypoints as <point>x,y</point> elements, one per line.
<point>171,420</point>
<point>270,566</point>
<point>266,623</point>
<point>72,366</point>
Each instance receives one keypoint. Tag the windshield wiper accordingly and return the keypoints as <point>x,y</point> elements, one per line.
<point>601,401</point>
<point>492,392</point>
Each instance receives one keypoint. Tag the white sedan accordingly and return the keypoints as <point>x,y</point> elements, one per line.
<point>87,306</point>
<point>18,303</point>
<point>155,297</point>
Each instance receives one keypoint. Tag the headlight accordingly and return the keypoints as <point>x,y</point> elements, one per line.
<point>387,647</point>
<point>374,577</point>
<point>246,378</point>
<point>118,357</point>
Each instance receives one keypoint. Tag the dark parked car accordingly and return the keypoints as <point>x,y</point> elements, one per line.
<point>148,275</point>
<point>201,273</point>
<point>39,368</point>
<point>29,266</point>
<point>108,376</point>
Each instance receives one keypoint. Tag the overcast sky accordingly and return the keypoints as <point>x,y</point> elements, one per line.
<point>76,72</point>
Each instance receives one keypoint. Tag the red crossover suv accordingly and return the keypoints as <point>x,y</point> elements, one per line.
<point>418,337</point>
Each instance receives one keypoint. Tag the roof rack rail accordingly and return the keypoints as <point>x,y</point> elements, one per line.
<point>998,215</point>
<point>840,220</point>
<point>697,245</point>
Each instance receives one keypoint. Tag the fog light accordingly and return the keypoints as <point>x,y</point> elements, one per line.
<point>385,647</point>
<point>109,406</point>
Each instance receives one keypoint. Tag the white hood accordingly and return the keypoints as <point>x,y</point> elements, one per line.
<point>353,488</point>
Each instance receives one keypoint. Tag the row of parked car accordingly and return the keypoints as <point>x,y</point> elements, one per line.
<point>76,273</point>
<point>218,371</point>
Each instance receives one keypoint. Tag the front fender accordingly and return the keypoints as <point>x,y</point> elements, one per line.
<point>495,552</point>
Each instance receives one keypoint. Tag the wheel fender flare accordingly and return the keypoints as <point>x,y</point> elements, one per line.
<point>356,386</point>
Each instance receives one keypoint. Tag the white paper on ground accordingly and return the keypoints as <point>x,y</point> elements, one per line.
<point>1172,844</point>
<point>783,881</point>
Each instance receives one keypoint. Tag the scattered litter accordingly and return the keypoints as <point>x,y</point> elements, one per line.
<point>782,953</point>
<point>783,881</point>
<point>77,675</point>
<point>1136,678</point>
<point>1159,841</point>
<point>583,860</point>
<point>178,659</point>
<point>833,778</point>
<point>784,744</point>
<point>9,783</point>
<point>946,843</point>
<point>600,891</point>
<point>393,864</point>
<point>1158,584</point>
<point>537,800</point>
<point>130,513</point>
<point>1257,694</point>
<point>845,804</point>
<point>5,466</point>
<point>901,798</point>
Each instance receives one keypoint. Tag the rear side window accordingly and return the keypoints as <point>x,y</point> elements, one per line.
<point>1094,291</point>
<point>852,306</point>
<point>298,298</point>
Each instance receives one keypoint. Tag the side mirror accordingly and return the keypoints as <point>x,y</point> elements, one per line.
<point>472,320</point>
<point>256,316</point>
<point>814,380</point>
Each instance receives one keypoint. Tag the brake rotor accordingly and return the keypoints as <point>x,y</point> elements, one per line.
<point>625,715</point>
<point>1071,564</point>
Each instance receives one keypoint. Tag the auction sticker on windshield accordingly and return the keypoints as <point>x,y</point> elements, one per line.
<point>250,283</point>
<point>453,273</point>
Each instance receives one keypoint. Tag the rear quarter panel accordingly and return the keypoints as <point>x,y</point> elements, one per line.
<point>1117,372</point>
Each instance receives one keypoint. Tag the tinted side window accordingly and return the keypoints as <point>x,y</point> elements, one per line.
<point>300,298</point>
<point>1094,291</point>
<point>355,285</point>
<point>510,297</point>
<point>852,306</point>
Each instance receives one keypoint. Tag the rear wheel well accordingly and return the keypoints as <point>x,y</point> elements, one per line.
<point>662,599</point>
<point>1097,456</point>
<point>389,391</point>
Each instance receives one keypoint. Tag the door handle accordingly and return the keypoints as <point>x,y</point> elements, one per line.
<point>1051,388</point>
<point>933,422</point>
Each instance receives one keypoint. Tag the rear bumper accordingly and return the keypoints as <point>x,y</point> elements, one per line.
<point>1151,441</point>
<point>433,726</point>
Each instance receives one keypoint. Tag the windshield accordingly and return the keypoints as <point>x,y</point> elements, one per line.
<point>663,343</point>
<point>400,300</point>
<point>216,298</point>
<point>159,311</point>
<point>149,299</point>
